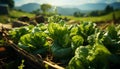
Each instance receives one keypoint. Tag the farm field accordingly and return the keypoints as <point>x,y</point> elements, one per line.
<point>59,34</point>
<point>69,46</point>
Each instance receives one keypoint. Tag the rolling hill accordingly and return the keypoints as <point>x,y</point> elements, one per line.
<point>29,7</point>
<point>69,10</point>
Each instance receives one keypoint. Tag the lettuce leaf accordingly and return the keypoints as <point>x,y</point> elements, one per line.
<point>33,42</point>
<point>90,57</point>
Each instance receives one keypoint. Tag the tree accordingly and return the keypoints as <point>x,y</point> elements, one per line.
<point>77,14</point>
<point>55,10</point>
<point>37,12</point>
<point>9,2</point>
<point>109,9</point>
<point>94,13</point>
<point>45,7</point>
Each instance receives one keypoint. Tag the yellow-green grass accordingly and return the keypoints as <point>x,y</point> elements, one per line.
<point>96,19</point>
<point>3,18</point>
<point>13,15</point>
<point>17,14</point>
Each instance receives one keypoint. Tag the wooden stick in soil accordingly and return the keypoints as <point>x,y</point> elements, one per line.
<point>30,59</point>
<point>52,65</point>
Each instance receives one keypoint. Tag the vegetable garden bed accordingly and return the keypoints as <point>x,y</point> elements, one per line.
<point>14,57</point>
<point>58,45</point>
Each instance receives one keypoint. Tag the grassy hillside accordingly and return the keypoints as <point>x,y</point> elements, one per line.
<point>13,16</point>
<point>17,14</point>
<point>104,18</point>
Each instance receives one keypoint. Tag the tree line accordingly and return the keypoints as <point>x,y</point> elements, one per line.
<point>107,10</point>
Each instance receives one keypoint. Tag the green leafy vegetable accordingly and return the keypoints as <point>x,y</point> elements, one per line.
<point>77,41</point>
<point>16,33</point>
<point>90,57</point>
<point>34,42</point>
<point>111,31</point>
<point>60,34</point>
<point>61,52</point>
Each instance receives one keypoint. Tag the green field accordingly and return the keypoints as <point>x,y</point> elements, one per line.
<point>13,16</point>
<point>16,14</point>
<point>104,18</point>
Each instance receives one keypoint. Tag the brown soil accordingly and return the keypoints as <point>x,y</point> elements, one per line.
<point>8,26</point>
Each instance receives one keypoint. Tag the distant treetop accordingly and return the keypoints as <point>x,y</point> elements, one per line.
<point>9,2</point>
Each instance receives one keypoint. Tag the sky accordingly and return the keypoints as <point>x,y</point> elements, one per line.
<point>63,2</point>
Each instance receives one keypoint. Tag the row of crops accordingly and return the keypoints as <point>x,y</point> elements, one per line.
<point>77,46</point>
